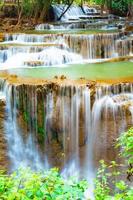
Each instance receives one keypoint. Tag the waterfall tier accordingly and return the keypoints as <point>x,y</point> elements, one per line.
<point>57,49</point>
<point>69,125</point>
<point>74,12</point>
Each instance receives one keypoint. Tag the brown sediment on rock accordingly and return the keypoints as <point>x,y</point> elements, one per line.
<point>115,81</point>
<point>118,59</point>
<point>2,37</point>
<point>6,45</point>
<point>129,28</point>
<point>61,80</point>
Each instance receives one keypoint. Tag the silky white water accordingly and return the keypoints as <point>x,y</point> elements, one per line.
<point>30,50</point>
<point>84,128</point>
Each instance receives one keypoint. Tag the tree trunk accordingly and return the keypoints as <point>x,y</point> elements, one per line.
<point>20,11</point>
<point>69,5</point>
<point>45,10</point>
<point>109,4</point>
<point>130,10</point>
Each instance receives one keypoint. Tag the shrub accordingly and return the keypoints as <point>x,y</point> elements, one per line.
<point>49,185</point>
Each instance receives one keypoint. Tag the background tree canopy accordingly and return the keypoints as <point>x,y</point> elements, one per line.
<point>39,9</point>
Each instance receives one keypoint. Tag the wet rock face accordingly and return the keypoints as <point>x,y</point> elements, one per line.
<point>4,160</point>
<point>62,118</point>
<point>49,112</point>
<point>65,120</point>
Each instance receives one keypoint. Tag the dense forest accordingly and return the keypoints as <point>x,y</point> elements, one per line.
<point>40,10</point>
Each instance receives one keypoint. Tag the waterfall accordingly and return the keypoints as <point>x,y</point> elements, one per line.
<point>59,118</point>
<point>7,52</point>
<point>96,46</point>
<point>49,56</point>
<point>22,50</point>
<point>67,126</point>
<point>32,38</point>
<point>55,51</point>
<point>111,115</point>
<point>125,46</point>
<point>21,153</point>
<point>76,128</point>
<point>74,12</point>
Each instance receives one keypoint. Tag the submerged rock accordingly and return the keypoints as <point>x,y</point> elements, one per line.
<point>34,63</point>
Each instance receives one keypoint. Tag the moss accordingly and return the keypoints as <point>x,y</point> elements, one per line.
<point>41,131</point>
<point>26,116</point>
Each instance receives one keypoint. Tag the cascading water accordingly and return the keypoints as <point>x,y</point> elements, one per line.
<point>27,119</point>
<point>70,127</point>
<point>68,122</point>
<point>74,12</point>
<point>32,38</point>
<point>52,51</point>
<point>21,153</point>
<point>57,123</point>
<point>96,46</point>
<point>22,50</point>
<point>8,52</point>
<point>125,46</point>
<point>50,56</point>
<point>112,114</point>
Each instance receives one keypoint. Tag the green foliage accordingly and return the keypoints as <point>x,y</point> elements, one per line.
<point>121,6</point>
<point>27,7</point>
<point>108,184</point>
<point>126,142</point>
<point>41,131</point>
<point>25,184</point>
<point>49,185</point>
<point>39,9</point>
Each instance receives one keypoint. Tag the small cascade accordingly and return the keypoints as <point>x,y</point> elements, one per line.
<point>125,46</point>
<point>22,50</point>
<point>7,52</point>
<point>74,12</point>
<point>22,149</point>
<point>32,38</point>
<point>111,115</point>
<point>52,51</point>
<point>40,27</point>
<point>77,25</point>
<point>96,46</point>
<point>49,56</point>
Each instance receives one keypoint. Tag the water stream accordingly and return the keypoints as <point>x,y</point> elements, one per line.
<point>22,50</point>
<point>64,125</point>
<point>68,127</point>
